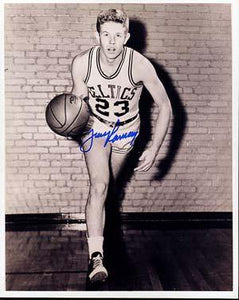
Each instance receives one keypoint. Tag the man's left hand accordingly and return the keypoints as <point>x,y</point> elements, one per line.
<point>148,159</point>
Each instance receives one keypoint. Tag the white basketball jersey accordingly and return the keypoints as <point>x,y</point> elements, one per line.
<point>116,96</point>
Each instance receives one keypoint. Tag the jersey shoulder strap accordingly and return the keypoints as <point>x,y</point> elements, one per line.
<point>89,67</point>
<point>130,70</point>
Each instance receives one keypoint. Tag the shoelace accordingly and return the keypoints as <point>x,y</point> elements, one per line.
<point>97,261</point>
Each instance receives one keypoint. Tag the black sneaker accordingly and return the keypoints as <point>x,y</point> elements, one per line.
<point>97,271</point>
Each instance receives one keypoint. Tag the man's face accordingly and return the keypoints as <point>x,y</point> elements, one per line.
<point>112,38</point>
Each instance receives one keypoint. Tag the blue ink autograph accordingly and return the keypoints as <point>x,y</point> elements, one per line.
<point>110,137</point>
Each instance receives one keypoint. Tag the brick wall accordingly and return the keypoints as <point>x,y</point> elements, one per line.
<point>189,43</point>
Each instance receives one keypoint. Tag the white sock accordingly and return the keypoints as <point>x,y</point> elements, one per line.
<point>95,244</point>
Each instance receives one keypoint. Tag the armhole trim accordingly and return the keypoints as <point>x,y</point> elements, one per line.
<point>89,65</point>
<point>138,84</point>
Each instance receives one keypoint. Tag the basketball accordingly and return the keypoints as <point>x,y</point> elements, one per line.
<point>67,115</point>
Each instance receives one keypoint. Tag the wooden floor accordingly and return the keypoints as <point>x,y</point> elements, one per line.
<point>150,259</point>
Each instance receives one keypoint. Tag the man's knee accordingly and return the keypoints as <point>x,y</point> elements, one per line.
<point>98,190</point>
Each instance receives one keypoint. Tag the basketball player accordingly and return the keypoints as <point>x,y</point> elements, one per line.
<point>112,76</point>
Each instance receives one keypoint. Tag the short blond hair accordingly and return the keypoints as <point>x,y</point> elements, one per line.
<point>112,15</point>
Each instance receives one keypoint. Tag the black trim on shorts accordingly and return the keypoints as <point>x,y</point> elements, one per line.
<point>112,124</point>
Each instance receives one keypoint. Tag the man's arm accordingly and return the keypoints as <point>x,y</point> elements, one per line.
<point>159,95</point>
<point>78,72</point>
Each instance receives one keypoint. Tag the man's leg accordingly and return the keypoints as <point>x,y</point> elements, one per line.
<point>113,231</point>
<point>113,202</point>
<point>117,163</point>
<point>97,160</point>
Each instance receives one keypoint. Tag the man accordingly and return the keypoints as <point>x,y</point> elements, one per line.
<point>112,76</point>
